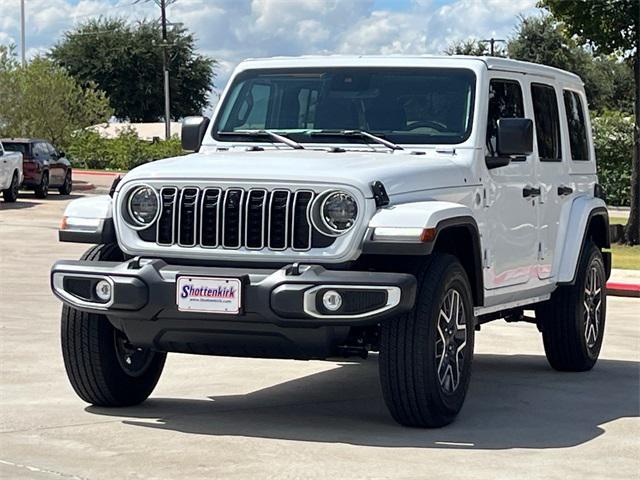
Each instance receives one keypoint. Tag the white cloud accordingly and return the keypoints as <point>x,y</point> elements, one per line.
<point>230,30</point>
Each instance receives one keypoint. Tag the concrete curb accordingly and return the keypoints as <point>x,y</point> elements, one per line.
<point>618,289</point>
<point>97,172</point>
<point>80,186</point>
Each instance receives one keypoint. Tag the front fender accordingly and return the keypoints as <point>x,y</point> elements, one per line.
<point>88,220</point>
<point>412,228</point>
<point>583,211</point>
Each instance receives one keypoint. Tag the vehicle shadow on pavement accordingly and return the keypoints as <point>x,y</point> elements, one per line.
<point>17,205</point>
<point>52,197</point>
<point>515,401</point>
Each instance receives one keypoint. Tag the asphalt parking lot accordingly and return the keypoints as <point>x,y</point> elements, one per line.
<point>249,418</point>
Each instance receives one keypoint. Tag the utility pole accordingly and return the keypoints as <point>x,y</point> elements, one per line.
<point>165,70</point>
<point>492,41</point>
<point>23,49</point>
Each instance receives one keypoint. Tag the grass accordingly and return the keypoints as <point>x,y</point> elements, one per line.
<point>617,221</point>
<point>625,257</point>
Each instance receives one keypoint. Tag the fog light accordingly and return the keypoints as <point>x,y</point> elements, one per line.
<point>332,300</point>
<point>103,290</point>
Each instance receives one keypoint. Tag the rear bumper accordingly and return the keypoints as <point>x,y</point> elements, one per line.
<point>281,313</point>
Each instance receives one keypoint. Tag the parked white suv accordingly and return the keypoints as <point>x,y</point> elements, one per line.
<point>341,205</point>
<point>10,174</point>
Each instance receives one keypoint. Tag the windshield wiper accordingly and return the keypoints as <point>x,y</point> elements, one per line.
<point>264,133</point>
<point>358,133</point>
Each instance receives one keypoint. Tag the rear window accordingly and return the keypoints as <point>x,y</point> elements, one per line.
<point>577,128</point>
<point>545,111</point>
<point>16,147</point>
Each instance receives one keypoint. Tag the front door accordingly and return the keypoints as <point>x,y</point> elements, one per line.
<point>510,252</point>
<point>56,167</point>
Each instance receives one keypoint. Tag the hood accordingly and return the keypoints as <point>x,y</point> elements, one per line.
<point>399,171</point>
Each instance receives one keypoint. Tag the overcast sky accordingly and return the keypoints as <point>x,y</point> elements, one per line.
<point>230,30</point>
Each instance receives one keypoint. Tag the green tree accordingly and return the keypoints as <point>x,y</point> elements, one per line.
<point>542,39</point>
<point>43,100</point>
<point>610,27</point>
<point>474,47</point>
<point>125,61</point>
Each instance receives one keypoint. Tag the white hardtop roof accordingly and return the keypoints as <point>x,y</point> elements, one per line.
<point>491,63</point>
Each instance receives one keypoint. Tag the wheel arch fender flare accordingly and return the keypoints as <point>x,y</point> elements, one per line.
<point>445,222</point>
<point>588,219</point>
<point>88,220</point>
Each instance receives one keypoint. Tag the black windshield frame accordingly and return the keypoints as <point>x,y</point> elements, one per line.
<point>464,76</point>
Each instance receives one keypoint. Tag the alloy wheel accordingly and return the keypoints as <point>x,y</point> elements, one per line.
<point>451,341</point>
<point>592,302</point>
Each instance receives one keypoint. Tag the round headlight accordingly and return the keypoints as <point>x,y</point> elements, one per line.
<point>338,212</point>
<point>143,206</point>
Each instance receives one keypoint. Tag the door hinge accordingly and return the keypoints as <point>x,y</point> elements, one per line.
<point>486,258</point>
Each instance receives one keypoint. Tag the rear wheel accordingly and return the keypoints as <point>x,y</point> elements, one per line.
<point>426,354</point>
<point>10,195</point>
<point>42,189</point>
<point>572,321</point>
<point>67,186</point>
<point>104,368</point>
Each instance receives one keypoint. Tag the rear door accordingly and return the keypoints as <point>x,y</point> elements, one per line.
<point>551,169</point>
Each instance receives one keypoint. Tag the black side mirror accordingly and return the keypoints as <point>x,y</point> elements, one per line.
<point>193,130</point>
<point>61,154</point>
<point>515,137</point>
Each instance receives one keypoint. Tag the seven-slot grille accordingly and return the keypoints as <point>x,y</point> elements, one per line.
<point>233,218</point>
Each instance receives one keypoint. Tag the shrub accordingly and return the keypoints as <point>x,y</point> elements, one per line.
<point>89,150</point>
<point>613,141</point>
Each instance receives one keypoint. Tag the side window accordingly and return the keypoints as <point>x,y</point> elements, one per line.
<point>51,150</point>
<point>39,151</point>
<point>577,128</point>
<point>505,101</point>
<point>545,111</point>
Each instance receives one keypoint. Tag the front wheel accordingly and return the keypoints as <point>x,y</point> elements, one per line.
<point>426,354</point>
<point>67,186</point>
<point>104,368</point>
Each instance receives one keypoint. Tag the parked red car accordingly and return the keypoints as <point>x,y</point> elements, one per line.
<point>43,165</point>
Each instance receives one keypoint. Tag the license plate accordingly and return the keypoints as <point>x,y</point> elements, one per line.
<point>209,294</point>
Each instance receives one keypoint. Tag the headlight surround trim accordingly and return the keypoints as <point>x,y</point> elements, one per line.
<point>318,217</point>
<point>130,218</point>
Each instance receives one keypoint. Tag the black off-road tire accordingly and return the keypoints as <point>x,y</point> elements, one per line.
<point>10,195</point>
<point>67,186</point>
<point>42,189</point>
<point>572,333</point>
<point>92,352</point>
<point>409,346</point>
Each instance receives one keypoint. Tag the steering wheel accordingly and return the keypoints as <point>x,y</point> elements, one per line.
<point>441,127</point>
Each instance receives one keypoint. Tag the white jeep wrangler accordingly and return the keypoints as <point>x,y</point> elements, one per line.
<point>341,205</point>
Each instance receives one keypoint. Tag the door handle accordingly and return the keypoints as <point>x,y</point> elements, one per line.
<point>564,190</point>
<point>529,191</point>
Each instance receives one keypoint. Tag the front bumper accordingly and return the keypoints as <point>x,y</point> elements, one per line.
<point>281,302</point>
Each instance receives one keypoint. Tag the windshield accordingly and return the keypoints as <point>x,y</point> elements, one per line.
<point>402,105</point>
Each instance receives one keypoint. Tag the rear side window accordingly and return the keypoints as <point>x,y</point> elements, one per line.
<point>545,111</point>
<point>577,128</point>
<point>505,101</point>
<point>15,147</point>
